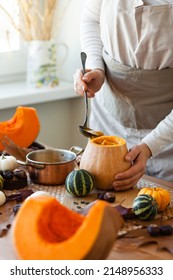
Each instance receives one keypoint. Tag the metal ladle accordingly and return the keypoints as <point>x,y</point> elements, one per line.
<point>84,129</point>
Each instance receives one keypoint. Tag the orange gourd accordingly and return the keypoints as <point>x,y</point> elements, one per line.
<point>104,157</point>
<point>44,229</point>
<point>23,128</point>
<point>161,195</point>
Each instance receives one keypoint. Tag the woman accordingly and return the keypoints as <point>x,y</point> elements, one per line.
<point>130,80</point>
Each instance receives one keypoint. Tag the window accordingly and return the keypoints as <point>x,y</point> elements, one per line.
<point>12,48</point>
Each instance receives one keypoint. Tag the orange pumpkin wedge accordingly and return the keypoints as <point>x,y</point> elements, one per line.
<point>44,229</point>
<point>104,157</point>
<point>23,128</point>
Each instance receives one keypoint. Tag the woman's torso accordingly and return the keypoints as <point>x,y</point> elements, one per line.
<point>133,101</point>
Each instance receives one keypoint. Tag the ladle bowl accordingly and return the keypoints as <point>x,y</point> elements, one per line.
<point>84,129</point>
<point>90,133</point>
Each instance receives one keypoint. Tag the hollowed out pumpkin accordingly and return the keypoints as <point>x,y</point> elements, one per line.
<point>104,157</point>
<point>44,229</point>
<point>23,128</point>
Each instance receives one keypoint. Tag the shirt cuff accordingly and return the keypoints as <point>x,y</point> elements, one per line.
<point>95,63</point>
<point>151,142</point>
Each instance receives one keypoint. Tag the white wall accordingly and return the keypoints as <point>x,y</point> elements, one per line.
<point>60,120</point>
<point>69,34</point>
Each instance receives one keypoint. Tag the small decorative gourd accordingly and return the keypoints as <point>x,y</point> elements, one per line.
<point>79,182</point>
<point>104,157</point>
<point>161,195</point>
<point>8,163</point>
<point>2,198</point>
<point>44,229</point>
<point>145,207</point>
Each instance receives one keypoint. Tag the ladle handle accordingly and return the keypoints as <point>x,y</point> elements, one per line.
<point>83,60</point>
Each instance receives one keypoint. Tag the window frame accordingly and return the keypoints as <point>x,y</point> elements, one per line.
<point>13,63</point>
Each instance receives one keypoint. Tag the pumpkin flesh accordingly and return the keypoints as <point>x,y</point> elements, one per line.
<point>58,233</point>
<point>104,157</point>
<point>23,128</point>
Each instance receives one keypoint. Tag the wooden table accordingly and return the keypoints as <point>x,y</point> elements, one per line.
<point>125,248</point>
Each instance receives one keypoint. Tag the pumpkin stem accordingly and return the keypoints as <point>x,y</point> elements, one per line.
<point>3,156</point>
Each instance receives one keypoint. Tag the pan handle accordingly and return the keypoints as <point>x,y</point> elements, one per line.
<point>36,166</point>
<point>21,162</point>
<point>77,150</point>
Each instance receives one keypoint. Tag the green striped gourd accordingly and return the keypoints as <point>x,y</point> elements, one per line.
<point>79,182</point>
<point>1,182</point>
<point>145,207</point>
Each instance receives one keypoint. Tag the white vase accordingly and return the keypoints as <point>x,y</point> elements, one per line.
<point>42,64</point>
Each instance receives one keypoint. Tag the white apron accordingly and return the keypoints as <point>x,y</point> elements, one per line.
<point>133,101</point>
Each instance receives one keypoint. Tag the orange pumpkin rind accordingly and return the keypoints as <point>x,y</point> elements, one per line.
<point>104,157</point>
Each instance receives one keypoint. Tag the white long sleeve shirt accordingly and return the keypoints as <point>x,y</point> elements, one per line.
<point>94,37</point>
<point>160,137</point>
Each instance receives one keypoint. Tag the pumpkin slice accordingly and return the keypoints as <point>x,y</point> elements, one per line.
<point>23,128</point>
<point>44,229</point>
<point>104,157</point>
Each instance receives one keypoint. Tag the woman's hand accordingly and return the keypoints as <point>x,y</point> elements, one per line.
<point>91,82</point>
<point>138,155</point>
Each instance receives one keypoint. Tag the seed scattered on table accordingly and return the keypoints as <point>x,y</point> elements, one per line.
<point>75,202</point>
